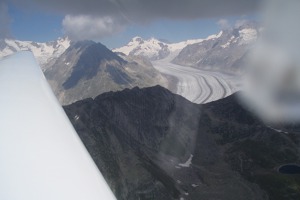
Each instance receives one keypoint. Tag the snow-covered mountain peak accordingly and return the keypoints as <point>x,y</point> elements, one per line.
<point>151,48</point>
<point>44,52</point>
<point>214,36</point>
<point>224,51</point>
<point>248,35</point>
<point>154,40</point>
<point>155,49</point>
<point>63,42</point>
<point>137,39</point>
<point>140,40</point>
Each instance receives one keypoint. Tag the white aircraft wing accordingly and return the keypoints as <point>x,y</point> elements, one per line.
<point>41,155</point>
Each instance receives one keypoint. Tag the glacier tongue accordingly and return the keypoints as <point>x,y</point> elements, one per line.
<point>196,85</point>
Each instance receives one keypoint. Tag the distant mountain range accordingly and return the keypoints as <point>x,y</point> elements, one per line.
<point>151,144</point>
<point>154,49</point>
<point>45,53</point>
<point>78,70</point>
<point>224,51</point>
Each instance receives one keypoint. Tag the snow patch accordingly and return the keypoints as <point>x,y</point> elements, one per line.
<point>278,130</point>
<point>248,35</point>
<point>228,43</point>
<point>76,117</point>
<point>187,163</point>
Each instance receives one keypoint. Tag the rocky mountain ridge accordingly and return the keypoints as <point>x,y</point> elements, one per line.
<point>225,53</point>
<point>152,144</point>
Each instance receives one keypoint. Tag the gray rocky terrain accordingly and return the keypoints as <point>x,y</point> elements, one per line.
<point>225,53</point>
<point>152,144</point>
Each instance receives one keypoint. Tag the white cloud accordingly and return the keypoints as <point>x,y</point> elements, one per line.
<point>224,24</point>
<point>86,27</point>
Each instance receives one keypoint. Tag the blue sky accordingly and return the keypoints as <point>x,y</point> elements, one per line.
<point>38,26</point>
<point>35,26</point>
<point>173,31</point>
<point>43,25</point>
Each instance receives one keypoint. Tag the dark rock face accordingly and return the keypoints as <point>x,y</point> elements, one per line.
<point>89,62</point>
<point>152,144</point>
